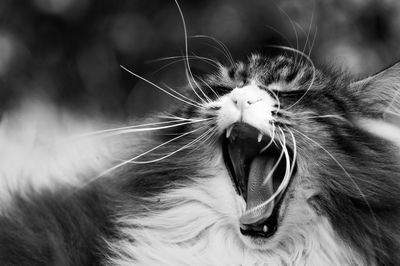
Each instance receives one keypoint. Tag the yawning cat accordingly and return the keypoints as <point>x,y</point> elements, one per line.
<point>267,162</point>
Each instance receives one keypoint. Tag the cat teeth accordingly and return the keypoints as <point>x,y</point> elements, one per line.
<point>265,229</point>
<point>228,131</point>
<point>260,136</point>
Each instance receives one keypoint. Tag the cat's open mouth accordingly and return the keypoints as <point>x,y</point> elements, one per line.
<point>257,172</point>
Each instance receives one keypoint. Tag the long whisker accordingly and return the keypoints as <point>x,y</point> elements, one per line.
<point>180,58</point>
<point>129,160</point>
<point>225,49</point>
<point>313,41</point>
<point>221,51</point>
<point>208,134</point>
<point>309,30</point>
<point>180,95</point>
<point>144,153</point>
<point>208,100</point>
<point>392,113</point>
<point>189,73</point>
<point>305,34</point>
<point>190,80</point>
<point>271,141</point>
<point>141,128</point>
<point>347,174</point>
<point>294,151</point>
<point>280,34</point>
<point>288,168</point>
<point>281,187</point>
<point>273,168</point>
<point>172,116</point>
<point>208,86</point>
<point>134,128</point>
<point>200,140</point>
<point>158,87</point>
<point>321,116</point>
<point>159,128</point>
<point>172,153</point>
<point>293,27</point>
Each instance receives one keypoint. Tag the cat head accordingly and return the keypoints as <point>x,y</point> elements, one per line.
<point>301,143</point>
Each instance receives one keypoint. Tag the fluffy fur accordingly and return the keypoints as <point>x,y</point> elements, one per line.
<point>176,205</point>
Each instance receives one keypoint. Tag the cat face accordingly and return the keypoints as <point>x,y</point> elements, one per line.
<point>271,160</point>
<point>296,154</point>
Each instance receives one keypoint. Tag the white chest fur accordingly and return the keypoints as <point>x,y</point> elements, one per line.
<point>203,229</point>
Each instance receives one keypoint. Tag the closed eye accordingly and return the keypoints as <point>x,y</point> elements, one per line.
<point>289,93</point>
<point>222,90</point>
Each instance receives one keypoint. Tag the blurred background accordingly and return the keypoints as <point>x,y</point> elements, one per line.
<point>70,51</point>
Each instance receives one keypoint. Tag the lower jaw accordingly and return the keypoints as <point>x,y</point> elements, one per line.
<point>257,243</point>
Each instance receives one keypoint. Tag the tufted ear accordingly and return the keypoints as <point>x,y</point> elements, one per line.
<point>379,94</point>
<point>379,102</point>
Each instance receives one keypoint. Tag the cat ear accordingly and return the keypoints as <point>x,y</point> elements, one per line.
<point>379,102</point>
<point>379,94</point>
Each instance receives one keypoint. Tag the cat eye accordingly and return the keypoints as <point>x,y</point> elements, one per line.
<point>221,90</point>
<point>288,93</point>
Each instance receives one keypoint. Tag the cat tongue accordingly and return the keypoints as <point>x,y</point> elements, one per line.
<point>259,189</point>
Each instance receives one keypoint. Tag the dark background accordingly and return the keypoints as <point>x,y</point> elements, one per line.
<point>69,51</point>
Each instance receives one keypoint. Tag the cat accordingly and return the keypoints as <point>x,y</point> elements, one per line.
<point>270,161</point>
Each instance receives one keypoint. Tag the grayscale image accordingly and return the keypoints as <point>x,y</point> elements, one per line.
<point>200,133</point>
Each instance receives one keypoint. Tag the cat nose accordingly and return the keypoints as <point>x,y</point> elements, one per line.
<point>243,99</point>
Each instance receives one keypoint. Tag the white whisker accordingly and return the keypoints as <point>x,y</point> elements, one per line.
<point>313,41</point>
<point>287,175</point>
<point>321,116</point>
<point>280,34</point>
<point>208,100</point>
<point>294,29</point>
<point>283,184</point>
<point>309,30</point>
<point>171,116</point>
<point>208,134</point>
<point>159,128</point>
<point>392,113</point>
<point>180,58</point>
<point>188,71</point>
<point>225,49</point>
<point>207,60</point>
<point>273,168</point>
<point>144,153</point>
<point>138,128</point>
<point>348,175</point>
<point>190,79</point>
<point>170,154</point>
<point>208,86</point>
<point>158,87</point>
<point>294,151</point>
<point>271,141</point>
<point>305,34</point>
<point>200,140</point>
<point>181,95</point>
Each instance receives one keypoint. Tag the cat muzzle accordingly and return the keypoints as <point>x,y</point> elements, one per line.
<point>257,169</point>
